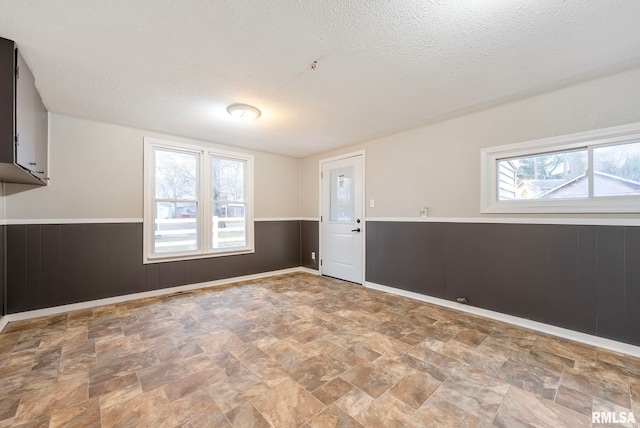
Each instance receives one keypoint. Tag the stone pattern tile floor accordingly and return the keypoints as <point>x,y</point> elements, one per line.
<point>300,351</point>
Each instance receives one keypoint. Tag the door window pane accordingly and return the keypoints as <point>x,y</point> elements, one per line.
<point>560,175</point>
<point>176,175</point>
<point>341,191</point>
<point>227,177</point>
<point>616,170</point>
<point>229,225</point>
<point>176,227</point>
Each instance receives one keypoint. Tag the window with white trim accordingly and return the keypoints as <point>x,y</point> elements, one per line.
<point>197,202</point>
<point>596,171</point>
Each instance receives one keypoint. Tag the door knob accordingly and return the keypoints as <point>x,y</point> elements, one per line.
<point>356,230</point>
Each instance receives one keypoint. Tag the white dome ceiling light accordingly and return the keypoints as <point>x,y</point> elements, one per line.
<point>244,111</point>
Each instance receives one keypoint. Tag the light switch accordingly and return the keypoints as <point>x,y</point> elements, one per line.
<point>372,203</point>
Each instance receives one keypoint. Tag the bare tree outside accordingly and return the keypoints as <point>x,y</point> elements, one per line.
<point>228,179</point>
<point>176,175</point>
<point>552,166</point>
<point>176,207</point>
<point>228,198</point>
<point>621,161</point>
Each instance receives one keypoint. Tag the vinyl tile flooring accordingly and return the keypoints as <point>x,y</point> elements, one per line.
<point>300,350</point>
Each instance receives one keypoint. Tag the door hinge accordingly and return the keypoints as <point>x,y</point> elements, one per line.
<point>17,139</point>
<point>321,175</point>
<point>320,219</point>
<point>17,72</point>
<point>320,262</point>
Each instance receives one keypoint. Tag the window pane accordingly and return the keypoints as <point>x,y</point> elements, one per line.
<point>561,175</point>
<point>176,175</point>
<point>616,170</point>
<point>229,226</point>
<point>227,176</point>
<point>176,227</point>
<point>342,200</point>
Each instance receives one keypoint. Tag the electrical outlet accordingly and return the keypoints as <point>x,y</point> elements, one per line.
<point>424,212</point>
<point>313,255</point>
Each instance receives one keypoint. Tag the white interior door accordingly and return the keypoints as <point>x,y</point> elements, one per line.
<point>342,219</point>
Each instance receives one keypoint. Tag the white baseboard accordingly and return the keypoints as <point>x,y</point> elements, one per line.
<point>309,271</point>
<point>588,339</point>
<point>128,297</point>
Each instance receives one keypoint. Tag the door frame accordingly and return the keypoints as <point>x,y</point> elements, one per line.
<point>321,162</point>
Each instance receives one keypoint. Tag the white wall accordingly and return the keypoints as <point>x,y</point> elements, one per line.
<point>438,165</point>
<point>96,172</point>
<point>96,168</point>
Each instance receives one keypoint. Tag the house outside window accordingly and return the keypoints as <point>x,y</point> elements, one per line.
<point>197,202</point>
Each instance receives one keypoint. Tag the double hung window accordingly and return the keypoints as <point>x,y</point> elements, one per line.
<point>198,202</point>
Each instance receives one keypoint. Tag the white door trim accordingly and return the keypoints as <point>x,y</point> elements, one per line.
<point>364,206</point>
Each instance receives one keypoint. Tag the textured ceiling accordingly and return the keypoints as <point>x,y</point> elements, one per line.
<point>384,66</point>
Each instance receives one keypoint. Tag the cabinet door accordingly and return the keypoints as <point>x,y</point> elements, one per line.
<point>27,113</point>
<point>41,141</point>
<point>7,105</point>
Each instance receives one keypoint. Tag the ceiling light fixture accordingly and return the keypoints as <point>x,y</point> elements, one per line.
<point>244,111</point>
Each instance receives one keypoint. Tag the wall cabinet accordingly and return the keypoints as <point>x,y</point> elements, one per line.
<point>24,121</point>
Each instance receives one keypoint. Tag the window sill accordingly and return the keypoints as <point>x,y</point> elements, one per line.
<point>601,205</point>
<point>196,256</point>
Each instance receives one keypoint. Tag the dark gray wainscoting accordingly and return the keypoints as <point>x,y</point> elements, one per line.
<point>584,278</point>
<point>57,264</point>
<point>2,270</point>
<point>309,242</point>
